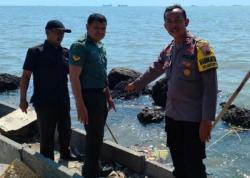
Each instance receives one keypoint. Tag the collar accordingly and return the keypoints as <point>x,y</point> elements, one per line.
<point>89,39</point>
<point>188,42</point>
<point>51,47</point>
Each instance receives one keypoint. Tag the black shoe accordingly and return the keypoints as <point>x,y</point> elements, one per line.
<point>69,157</point>
<point>105,172</point>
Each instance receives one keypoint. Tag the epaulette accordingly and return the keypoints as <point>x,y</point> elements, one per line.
<point>205,56</point>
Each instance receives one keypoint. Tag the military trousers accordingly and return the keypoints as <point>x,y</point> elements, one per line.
<point>96,104</point>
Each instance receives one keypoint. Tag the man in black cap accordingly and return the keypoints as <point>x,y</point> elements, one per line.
<point>48,62</point>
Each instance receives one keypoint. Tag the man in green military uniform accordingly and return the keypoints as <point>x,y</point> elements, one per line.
<point>88,76</point>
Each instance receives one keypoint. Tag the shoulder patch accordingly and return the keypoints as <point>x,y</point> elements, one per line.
<point>205,56</point>
<point>76,58</point>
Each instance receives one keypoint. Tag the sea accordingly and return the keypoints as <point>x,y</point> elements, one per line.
<point>135,36</point>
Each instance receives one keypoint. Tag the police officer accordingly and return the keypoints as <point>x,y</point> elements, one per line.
<point>88,75</point>
<point>49,65</point>
<point>190,67</point>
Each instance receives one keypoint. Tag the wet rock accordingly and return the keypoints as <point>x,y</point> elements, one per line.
<point>117,75</point>
<point>159,92</point>
<point>9,82</point>
<point>118,91</point>
<point>118,80</point>
<point>237,116</point>
<point>154,115</point>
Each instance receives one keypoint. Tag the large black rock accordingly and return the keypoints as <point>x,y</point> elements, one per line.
<point>159,92</point>
<point>118,80</point>
<point>154,115</point>
<point>117,75</point>
<point>237,116</point>
<point>9,82</point>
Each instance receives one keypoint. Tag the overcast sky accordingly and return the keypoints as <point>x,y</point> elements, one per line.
<point>116,2</point>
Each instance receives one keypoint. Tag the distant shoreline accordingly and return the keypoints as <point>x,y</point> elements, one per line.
<point>121,6</point>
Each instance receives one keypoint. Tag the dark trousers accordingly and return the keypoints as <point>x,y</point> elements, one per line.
<point>49,117</point>
<point>96,105</point>
<point>186,149</point>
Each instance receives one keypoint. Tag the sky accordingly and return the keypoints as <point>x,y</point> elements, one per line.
<point>116,2</point>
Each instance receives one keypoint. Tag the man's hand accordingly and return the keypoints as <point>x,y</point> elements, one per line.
<point>111,104</point>
<point>130,87</point>
<point>205,130</point>
<point>82,113</point>
<point>23,105</point>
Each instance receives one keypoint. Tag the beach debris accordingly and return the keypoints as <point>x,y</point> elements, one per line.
<point>157,153</point>
<point>237,116</point>
<point>8,82</point>
<point>151,115</point>
<point>17,169</point>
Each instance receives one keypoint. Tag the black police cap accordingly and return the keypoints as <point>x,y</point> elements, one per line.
<point>57,25</point>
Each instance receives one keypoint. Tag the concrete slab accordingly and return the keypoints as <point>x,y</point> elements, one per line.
<point>156,170</point>
<point>10,150</point>
<point>3,168</point>
<point>6,108</point>
<point>45,167</point>
<point>77,141</point>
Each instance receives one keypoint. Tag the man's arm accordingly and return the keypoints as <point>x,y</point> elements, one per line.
<point>111,104</point>
<point>150,75</point>
<point>74,73</point>
<point>24,85</point>
<point>210,89</point>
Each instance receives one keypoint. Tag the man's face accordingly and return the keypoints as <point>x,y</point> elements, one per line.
<point>97,30</point>
<point>175,23</point>
<point>55,36</point>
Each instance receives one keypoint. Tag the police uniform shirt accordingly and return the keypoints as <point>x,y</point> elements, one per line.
<point>192,81</point>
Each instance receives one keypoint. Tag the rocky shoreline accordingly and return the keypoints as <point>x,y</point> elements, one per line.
<point>9,82</point>
<point>120,77</point>
<point>237,116</point>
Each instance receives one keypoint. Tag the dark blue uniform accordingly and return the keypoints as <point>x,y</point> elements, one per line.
<point>50,98</point>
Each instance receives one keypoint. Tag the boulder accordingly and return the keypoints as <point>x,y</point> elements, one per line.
<point>118,80</point>
<point>9,82</point>
<point>151,115</point>
<point>117,75</point>
<point>159,92</point>
<point>118,91</point>
<point>237,116</point>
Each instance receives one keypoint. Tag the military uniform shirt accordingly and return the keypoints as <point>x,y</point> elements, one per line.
<point>91,57</point>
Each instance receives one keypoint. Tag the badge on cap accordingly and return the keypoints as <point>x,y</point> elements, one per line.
<point>76,58</point>
<point>187,72</point>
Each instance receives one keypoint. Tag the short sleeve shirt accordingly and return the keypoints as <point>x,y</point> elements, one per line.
<point>91,57</point>
<point>50,69</point>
